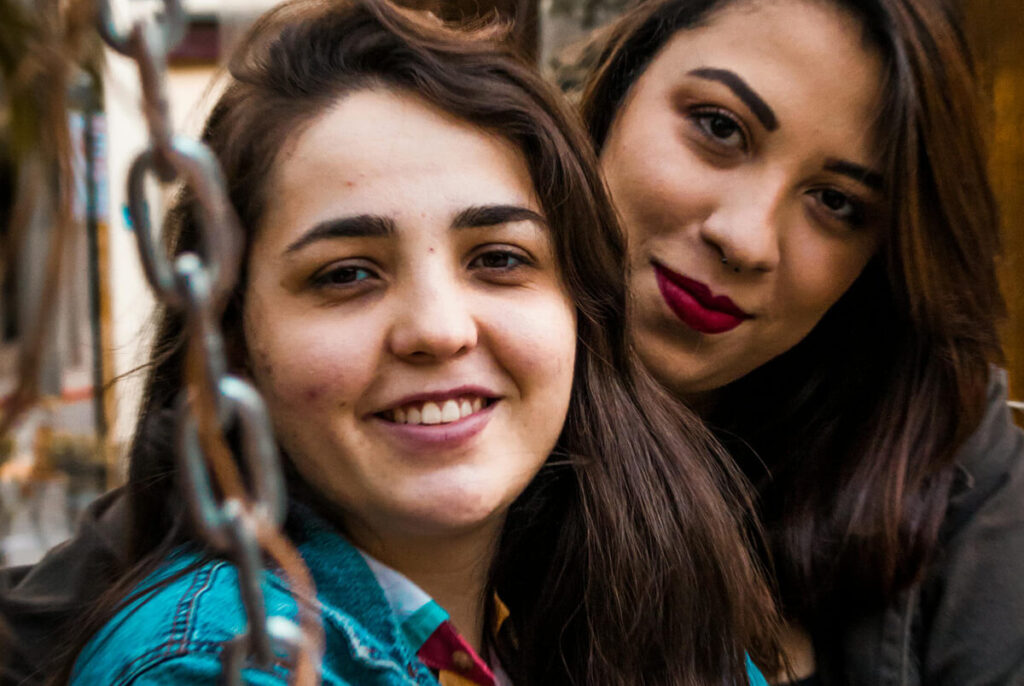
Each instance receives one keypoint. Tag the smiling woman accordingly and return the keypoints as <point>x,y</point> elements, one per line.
<point>433,306</point>
<point>438,254</point>
<point>787,205</point>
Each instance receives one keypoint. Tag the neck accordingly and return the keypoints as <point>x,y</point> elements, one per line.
<point>451,569</point>
<point>702,403</point>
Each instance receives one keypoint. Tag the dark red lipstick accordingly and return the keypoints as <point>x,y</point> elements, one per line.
<point>695,304</point>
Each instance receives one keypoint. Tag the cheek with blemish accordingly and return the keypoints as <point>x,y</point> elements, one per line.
<point>262,368</point>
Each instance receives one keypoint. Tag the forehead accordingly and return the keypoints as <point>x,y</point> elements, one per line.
<point>808,59</point>
<point>389,153</point>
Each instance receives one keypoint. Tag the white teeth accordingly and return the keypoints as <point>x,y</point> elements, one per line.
<point>450,411</point>
<point>431,413</point>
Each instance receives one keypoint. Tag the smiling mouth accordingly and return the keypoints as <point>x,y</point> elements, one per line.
<point>430,413</point>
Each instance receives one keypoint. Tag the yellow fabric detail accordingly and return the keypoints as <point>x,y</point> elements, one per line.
<point>501,613</point>
<point>446,678</point>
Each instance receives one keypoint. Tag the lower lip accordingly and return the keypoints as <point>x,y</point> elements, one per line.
<point>438,437</point>
<point>691,311</point>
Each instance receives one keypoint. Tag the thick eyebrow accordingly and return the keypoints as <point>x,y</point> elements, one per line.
<point>744,92</point>
<point>479,216</point>
<point>871,179</point>
<point>357,226</point>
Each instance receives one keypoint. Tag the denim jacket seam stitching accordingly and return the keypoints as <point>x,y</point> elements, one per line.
<point>185,614</point>
<point>177,641</point>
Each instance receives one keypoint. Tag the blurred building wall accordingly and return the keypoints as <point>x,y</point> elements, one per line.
<point>996,28</point>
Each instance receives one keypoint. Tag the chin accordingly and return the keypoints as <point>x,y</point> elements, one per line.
<point>440,524</point>
<point>451,510</point>
<point>670,365</point>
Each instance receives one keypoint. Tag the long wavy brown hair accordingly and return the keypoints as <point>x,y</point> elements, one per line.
<point>625,561</point>
<point>851,435</point>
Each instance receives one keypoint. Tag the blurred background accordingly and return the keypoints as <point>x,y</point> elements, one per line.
<point>68,448</point>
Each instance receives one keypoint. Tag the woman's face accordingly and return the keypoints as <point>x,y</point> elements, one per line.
<point>406,320</point>
<point>743,164</point>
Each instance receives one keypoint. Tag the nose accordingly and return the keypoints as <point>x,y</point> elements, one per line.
<point>745,228</point>
<point>433,320</point>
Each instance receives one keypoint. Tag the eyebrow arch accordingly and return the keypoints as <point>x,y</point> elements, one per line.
<point>871,179</point>
<point>357,226</point>
<point>479,216</point>
<point>744,92</point>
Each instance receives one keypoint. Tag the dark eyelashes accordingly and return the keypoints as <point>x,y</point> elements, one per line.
<point>703,118</point>
<point>858,214</point>
<point>724,137</point>
<point>481,258</point>
<point>493,260</point>
<point>329,277</point>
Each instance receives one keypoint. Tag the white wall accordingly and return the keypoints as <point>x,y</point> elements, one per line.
<point>131,300</point>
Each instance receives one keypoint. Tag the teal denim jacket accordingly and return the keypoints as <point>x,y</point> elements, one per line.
<point>174,633</point>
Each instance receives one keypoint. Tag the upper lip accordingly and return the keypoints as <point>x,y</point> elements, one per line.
<point>439,396</point>
<point>702,293</point>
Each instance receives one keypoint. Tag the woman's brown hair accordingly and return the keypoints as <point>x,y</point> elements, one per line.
<point>624,562</point>
<point>851,436</point>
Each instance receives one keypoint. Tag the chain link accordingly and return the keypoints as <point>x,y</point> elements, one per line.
<point>170,27</point>
<point>193,162</point>
<point>245,521</point>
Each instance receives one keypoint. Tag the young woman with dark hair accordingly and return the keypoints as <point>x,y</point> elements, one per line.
<point>433,307</point>
<point>812,244</point>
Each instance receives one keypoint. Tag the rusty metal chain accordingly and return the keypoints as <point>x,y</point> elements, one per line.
<point>243,523</point>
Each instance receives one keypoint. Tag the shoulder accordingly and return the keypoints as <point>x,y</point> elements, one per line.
<point>175,623</point>
<point>996,442</point>
<point>37,602</point>
<point>990,463</point>
<point>971,600</point>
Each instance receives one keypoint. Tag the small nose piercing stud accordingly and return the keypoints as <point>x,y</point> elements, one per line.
<point>725,261</point>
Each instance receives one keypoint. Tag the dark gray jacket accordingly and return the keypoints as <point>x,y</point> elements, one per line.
<point>963,625</point>
<point>35,601</point>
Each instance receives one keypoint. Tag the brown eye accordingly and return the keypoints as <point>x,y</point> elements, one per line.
<point>835,201</point>
<point>840,205</point>
<point>342,276</point>
<point>498,259</point>
<point>720,128</point>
